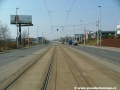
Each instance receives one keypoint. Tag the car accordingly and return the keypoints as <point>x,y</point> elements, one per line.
<point>75,43</point>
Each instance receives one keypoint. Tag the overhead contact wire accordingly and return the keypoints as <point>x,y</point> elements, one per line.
<point>68,12</point>
<point>48,13</point>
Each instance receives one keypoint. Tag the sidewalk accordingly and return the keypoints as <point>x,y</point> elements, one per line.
<point>103,47</point>
<point>6,51</point>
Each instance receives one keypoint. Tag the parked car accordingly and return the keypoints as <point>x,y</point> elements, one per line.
<point>75,43</point>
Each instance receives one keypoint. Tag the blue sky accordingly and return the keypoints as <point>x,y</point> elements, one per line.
<point>58,13</point>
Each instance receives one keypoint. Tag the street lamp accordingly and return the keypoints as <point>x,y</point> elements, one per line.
<point>97,24</point>
<point>74,32</point>
<point>17,29</point>
<point>37,36</point>
<point>100,24</point>
<point>28,33</point>
<point>42,37</point>
<point>81,31</point>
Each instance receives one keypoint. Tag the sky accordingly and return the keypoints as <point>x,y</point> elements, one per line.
<point>64,15</point>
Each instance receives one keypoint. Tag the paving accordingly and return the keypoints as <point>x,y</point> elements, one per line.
<point>71,70</point>
<point>103,47</point>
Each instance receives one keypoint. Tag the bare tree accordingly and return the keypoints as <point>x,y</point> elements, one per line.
<point>4,35</point>
<point>24,35</point>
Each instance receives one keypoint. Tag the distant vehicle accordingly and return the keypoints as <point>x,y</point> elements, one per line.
<point>75,43</point>
<point>70,42</point>
<point>45,43</point>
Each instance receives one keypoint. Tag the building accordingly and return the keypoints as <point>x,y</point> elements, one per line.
<point>78,37</point>
<point>108,33</point>
<point>104,34</point>
<point>118,29</point>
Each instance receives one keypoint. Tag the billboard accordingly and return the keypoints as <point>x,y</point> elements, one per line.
<point>21,19</point>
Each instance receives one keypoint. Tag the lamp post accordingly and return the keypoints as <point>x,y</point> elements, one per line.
<point>28,33</point>
<point>37,35</point>
<point>17,28</point>
<point>100,24</point>
<point>74,32</point>
<point>97,24</point>
<point>81,31</point>
<point>42,37</point>
<point>84,35</point>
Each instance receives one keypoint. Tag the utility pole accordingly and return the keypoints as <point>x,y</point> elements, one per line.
<point>100,25</point>
<point>17,28</point>
<point>37,36</point>
<point>74,32</point>
<point>81,31</point>
<point>84,35</point>
<point>97,32</point>
<point>42,37</point>
<point>28,35</point>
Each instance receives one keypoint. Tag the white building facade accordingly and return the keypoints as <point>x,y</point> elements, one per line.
<point>118,29</point>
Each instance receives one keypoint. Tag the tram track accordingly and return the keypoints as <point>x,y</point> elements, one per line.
<point>73,65</point>
<point>101,67</point>
<point>97,71</point>
<point>73,70</point>
<point>6,85</point>
<point>44,86</point>
<point>65,73</point>
<point>61,68</point>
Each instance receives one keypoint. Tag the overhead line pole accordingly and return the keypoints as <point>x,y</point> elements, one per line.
<point>37,36</point>
<point>98,33</point>
<point>81,31</point>
<point>100,25</point>
<point>74,32</point>
<point>28,33</point>
<point>17,28</point>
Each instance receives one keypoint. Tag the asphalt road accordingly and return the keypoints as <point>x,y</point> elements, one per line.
<point>113,56</point>
<point>14,55</point>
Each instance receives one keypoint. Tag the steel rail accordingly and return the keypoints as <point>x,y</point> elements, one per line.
<point>12,81</point>
<point>45,83</point>
<point>107,70</point>
<point>78,69</point>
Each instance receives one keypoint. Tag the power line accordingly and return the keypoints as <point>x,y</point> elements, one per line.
<point>72,5</point>
<point>76,25</point>
<point>48,13</point>
<point>89,23</point>
<point>59,10</point>
<point>68,12</point>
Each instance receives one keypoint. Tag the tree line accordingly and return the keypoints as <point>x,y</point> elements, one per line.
<point>6,42</point>
<point>4,36</point>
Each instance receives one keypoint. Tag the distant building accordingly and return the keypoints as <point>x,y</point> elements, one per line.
<point>109,33</point>
<point>39,40</point>
<point>78,37</point>
<point>93,34</point>
<point>118,29</point>
<point>30,41</point>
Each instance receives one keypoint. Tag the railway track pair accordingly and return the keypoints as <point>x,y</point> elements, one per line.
<point>73,65</point>
<point>76,72</point>
<point>44,86</point>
